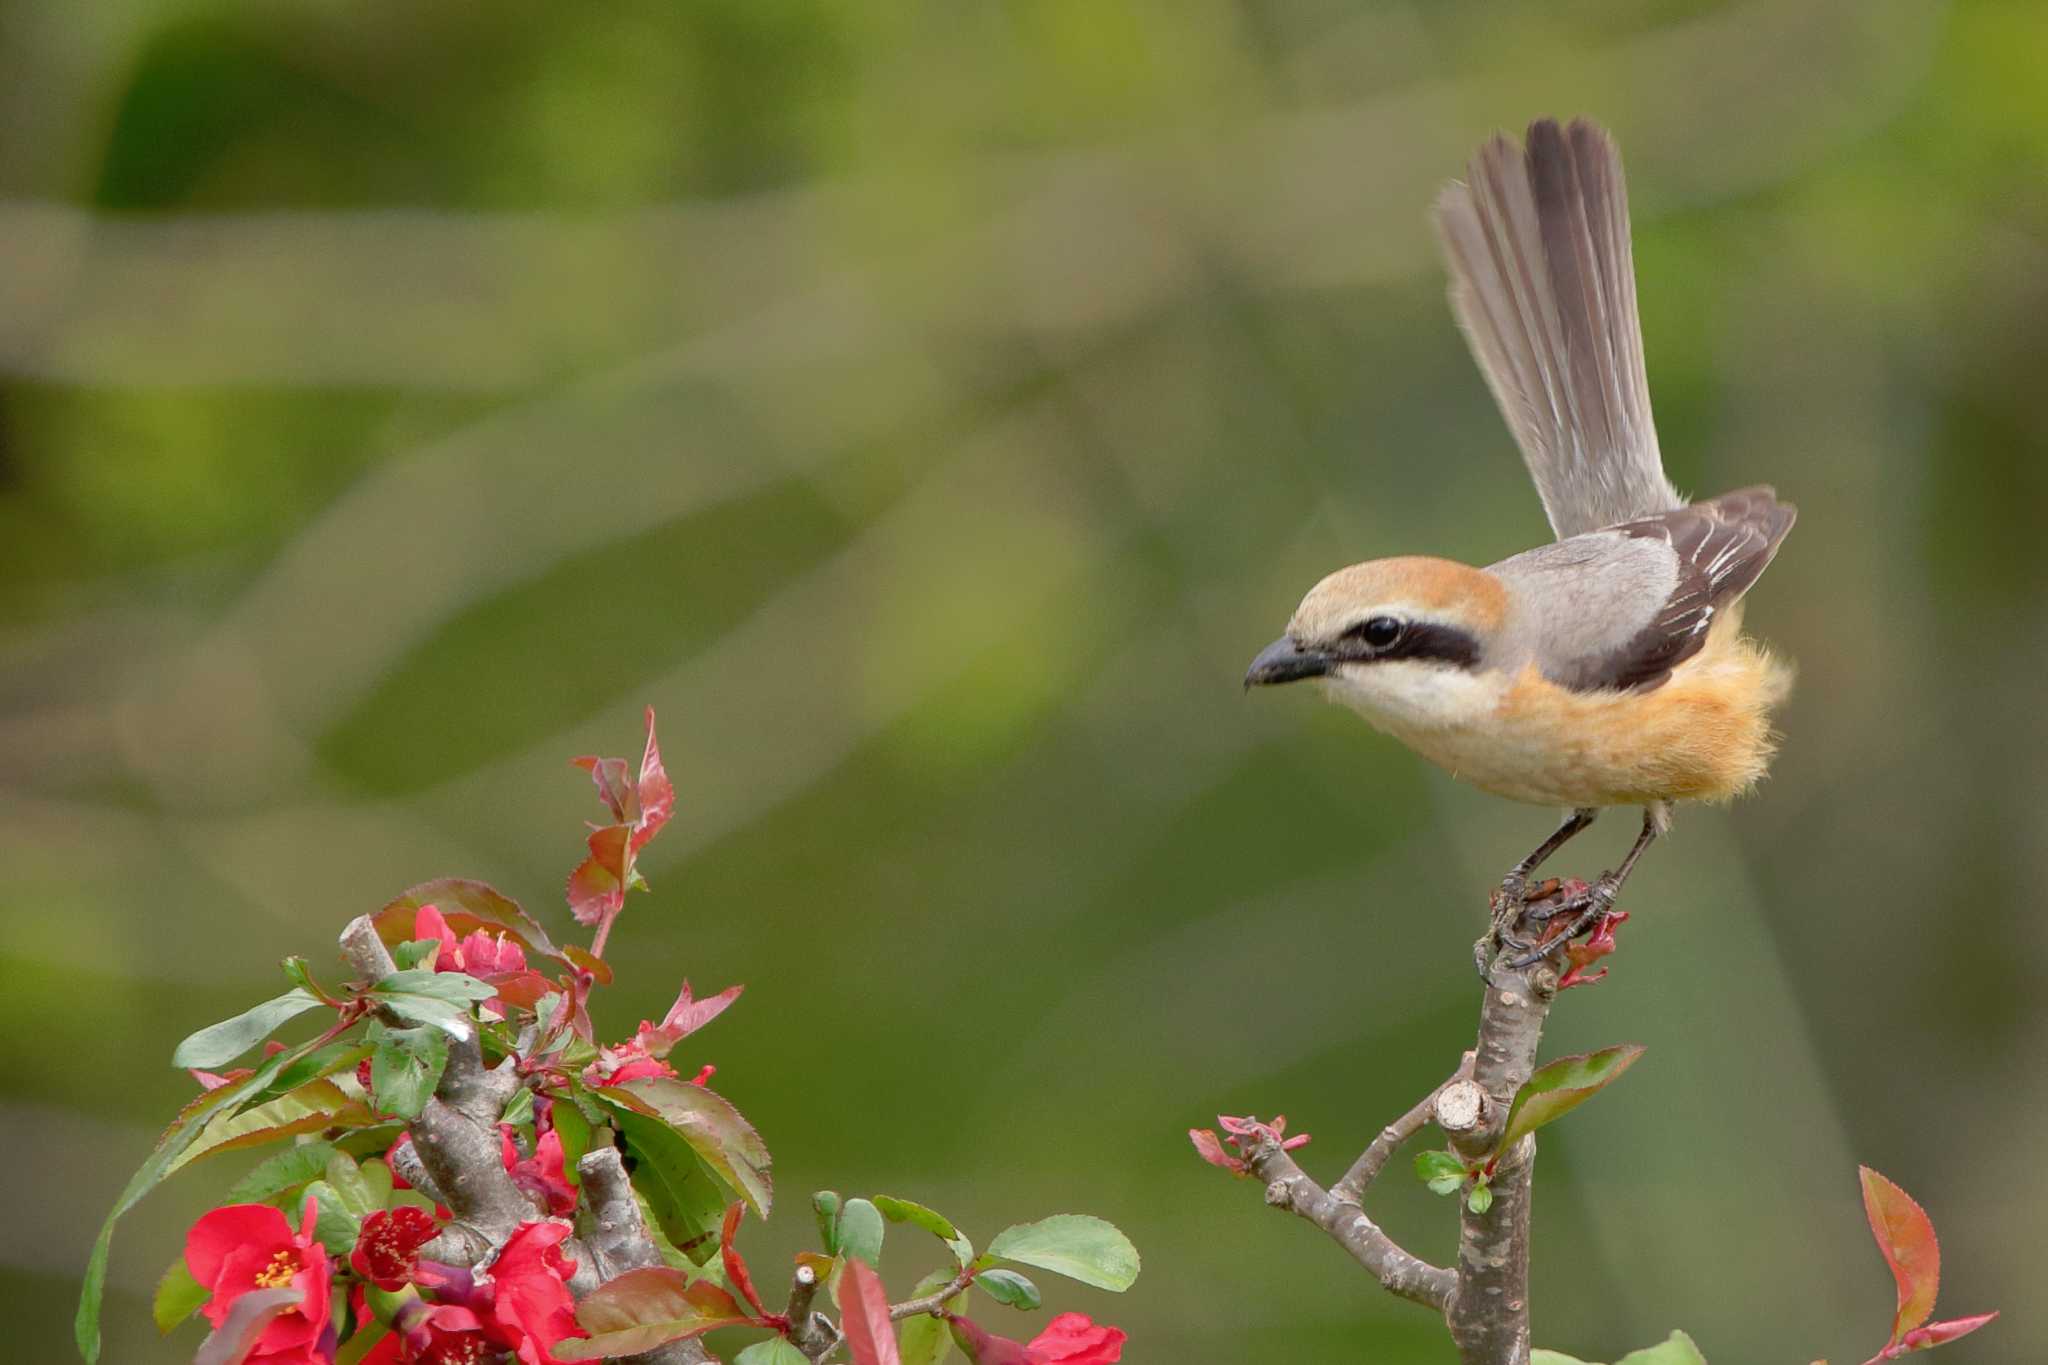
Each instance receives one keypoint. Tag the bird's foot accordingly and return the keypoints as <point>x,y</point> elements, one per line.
<point>1513,902</point>
<point>1579,908</point>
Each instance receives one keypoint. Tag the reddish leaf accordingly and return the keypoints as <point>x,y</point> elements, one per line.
<point>1211,1151</point>
<point>657,794</point>
<point>1906,1237</point>
<point>468,906</point>
<point>684,1018</point>
<point>1938,1333</point>
<point>645,1308</point>
<point>614,788</point>
<point>582,959</point>
<point>735,1265</point>
<point>597,888</point>
<point>865,1309</point>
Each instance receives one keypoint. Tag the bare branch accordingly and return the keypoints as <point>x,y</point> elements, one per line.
<point>929,1303</point>
<point>1398,1271</point>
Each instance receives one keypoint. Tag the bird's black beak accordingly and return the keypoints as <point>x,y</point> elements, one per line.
<point>1283,662</point>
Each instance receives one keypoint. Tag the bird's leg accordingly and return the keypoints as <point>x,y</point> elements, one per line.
<point>1511,899</point>
<point>1516,882</point>
<point>1600,897</point>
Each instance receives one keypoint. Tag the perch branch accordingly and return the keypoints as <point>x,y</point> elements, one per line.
<point>1488,1313</point>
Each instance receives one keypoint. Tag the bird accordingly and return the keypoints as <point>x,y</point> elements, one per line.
<point>1608,667</point>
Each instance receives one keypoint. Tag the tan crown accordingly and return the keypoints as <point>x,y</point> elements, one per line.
<point>1409,587</point>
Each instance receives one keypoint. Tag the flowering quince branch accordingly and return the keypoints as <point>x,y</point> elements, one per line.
<point>1489,1111</point>
<point>476,1176</point>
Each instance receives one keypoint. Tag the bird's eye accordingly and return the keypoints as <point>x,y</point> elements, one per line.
<point>1377,631</point>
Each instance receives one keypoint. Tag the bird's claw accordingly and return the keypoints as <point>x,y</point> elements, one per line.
<point>1587,907</point>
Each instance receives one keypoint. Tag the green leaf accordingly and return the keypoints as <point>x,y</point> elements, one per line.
<point>161,1160</point>
<point>1562,1086</point>
<point>356,1193</point>
<point>722,1139</point>
<point>937,1224</point>
<point>1677,1349</point>
<point>312,1107</point>
<point>219,1044</point>
<point>336,1227</point>
<point>645,1308</point>
<point>574,1130</point>
<point>1008,1287</point>
<point>442,1000</point>
<point>1441,1171</point>
<point>405,1067</point>
<point>773,1351</point>
<point>1481,1198</point>
<point>686,1197</point>
<point>300,974</point>
<point>1075,1245</point>
<point>178,1297</point>
<point>411,953</point>
<point>924,1339</point>
<point>860,1231</point>
<point>277,1174</point>
<point>519,1109</point>
<point>321,1062</point>
<point>826,1204</point>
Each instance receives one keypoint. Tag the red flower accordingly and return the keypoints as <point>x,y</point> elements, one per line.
<point>530,1308</point>
<point>483,954</point>
<point>388,1248</point>
<point>433,1334</point>
<point>1069,1339</point>
<point>542,1175</point>
<point>245,1247</point>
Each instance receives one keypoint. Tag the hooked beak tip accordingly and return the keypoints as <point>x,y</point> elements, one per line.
<point>1284,662</point>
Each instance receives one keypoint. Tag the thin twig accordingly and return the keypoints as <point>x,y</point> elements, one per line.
<point>930,1303</point>
<point>1351,1189</point>
<point>1399,1271</point>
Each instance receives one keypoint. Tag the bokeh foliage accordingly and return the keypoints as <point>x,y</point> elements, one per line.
<point>930,407</point>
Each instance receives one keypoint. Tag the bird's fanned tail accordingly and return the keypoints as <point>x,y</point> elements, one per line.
<point>1543,282</point>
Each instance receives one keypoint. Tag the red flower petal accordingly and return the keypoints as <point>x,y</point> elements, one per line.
<point>1073,1339</point>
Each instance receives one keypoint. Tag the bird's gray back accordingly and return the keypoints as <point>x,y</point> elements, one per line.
<point>1620,608</point>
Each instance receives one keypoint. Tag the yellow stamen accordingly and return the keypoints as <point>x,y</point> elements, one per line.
<point>279,1272</point>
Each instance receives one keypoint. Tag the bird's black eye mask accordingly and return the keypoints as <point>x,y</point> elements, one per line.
<point>1378,639</point>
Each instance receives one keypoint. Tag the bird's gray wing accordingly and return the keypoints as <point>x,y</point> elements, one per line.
<point>1543,283</point>
<point>1619,609</point>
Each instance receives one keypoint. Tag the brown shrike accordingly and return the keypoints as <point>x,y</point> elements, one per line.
<point>1609,667</point>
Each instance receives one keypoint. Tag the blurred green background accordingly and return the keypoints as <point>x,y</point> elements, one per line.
<point>930,408</point>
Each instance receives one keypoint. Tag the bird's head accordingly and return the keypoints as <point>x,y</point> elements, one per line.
<point>1390,637</point>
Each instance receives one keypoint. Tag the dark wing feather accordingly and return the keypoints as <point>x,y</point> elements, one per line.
<point>1723,547</point>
